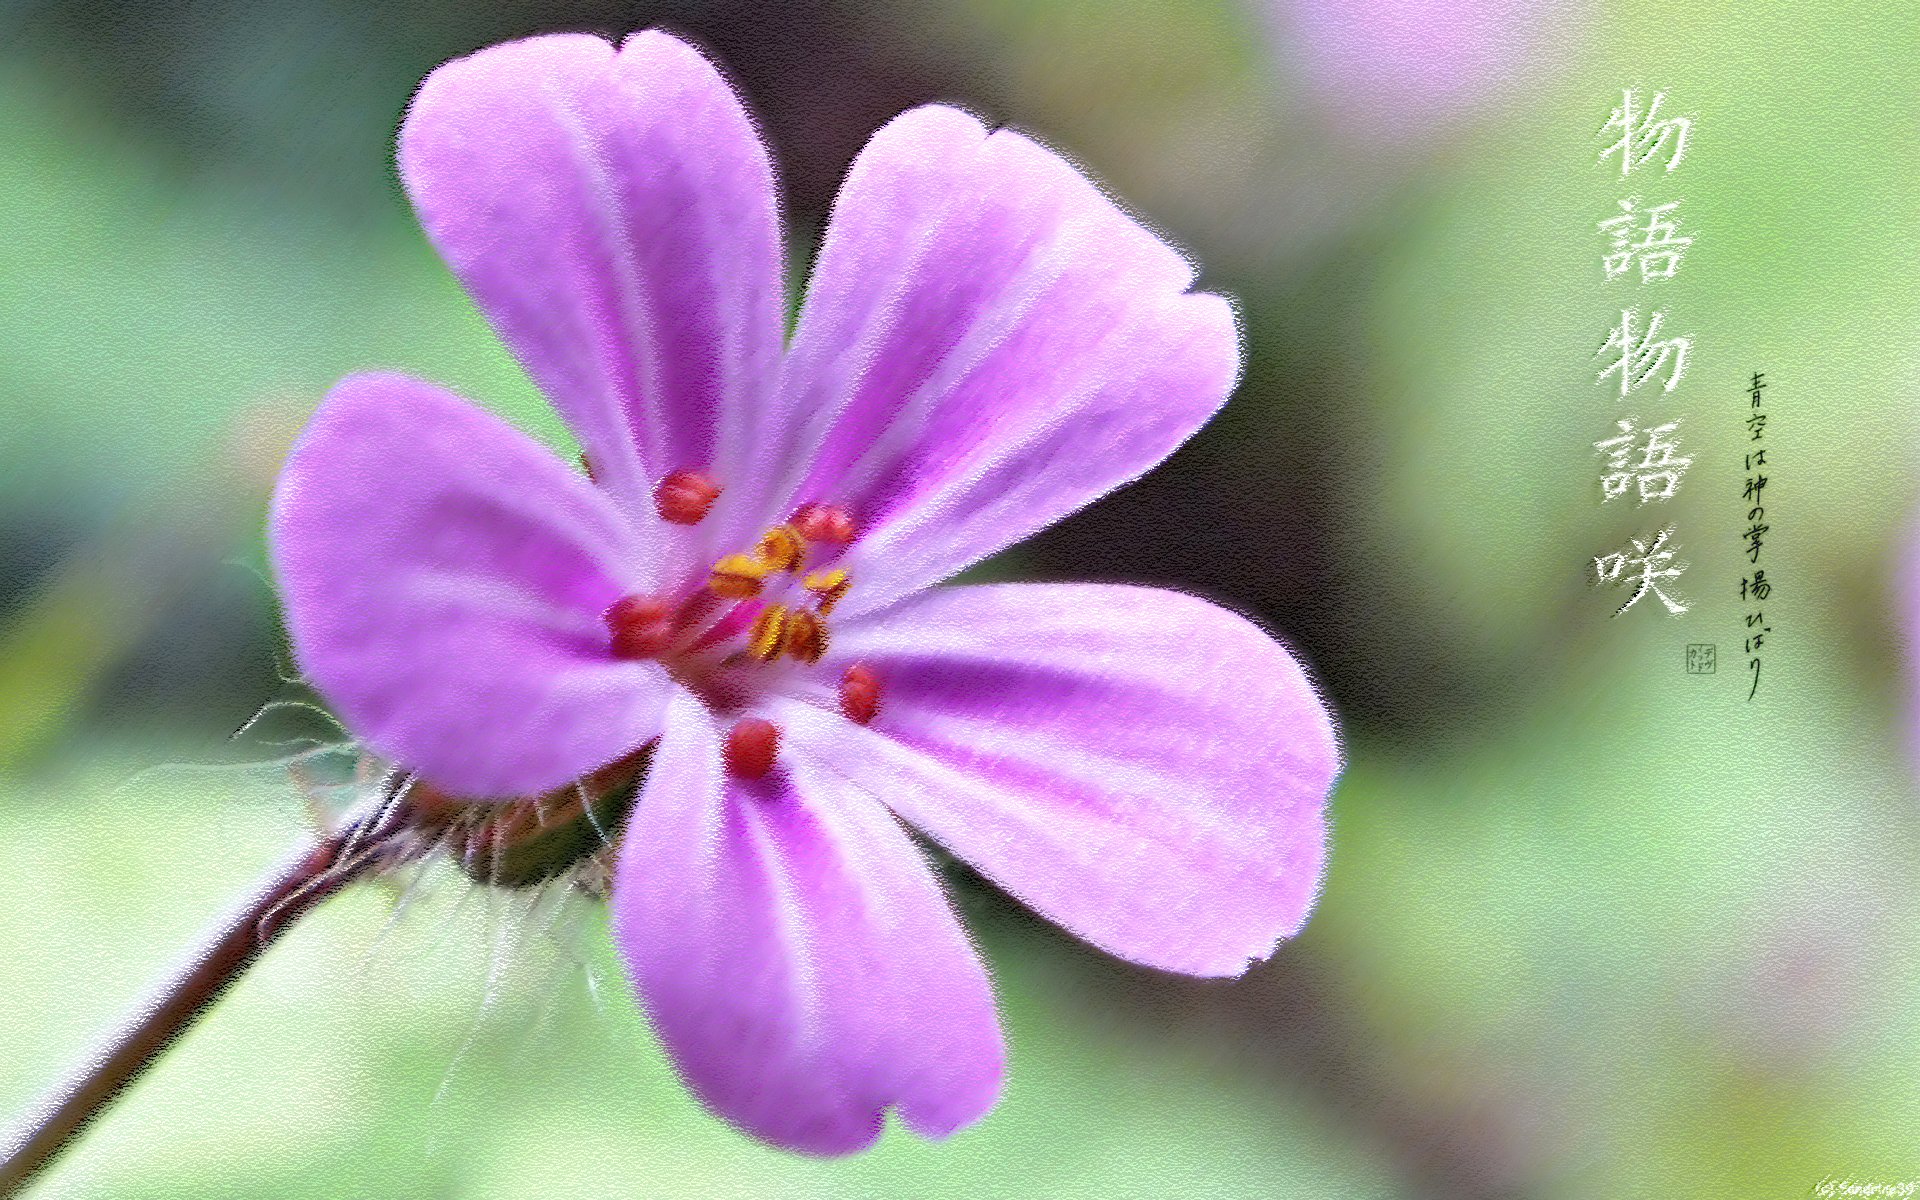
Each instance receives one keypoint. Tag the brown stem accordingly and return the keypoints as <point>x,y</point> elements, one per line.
<point>300,885</point>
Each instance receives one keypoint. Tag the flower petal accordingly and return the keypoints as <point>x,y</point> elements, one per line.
<point>795,951</point>
<point>444,576</point>
<point>1145,768</point>
<point>613,214</point>
<point>988,344</point>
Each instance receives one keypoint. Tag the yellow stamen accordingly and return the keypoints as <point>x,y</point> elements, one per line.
<point>806,636</point>
<point>829,587</point>
<point>764,639</point>
<point>781,549</point>
<point>737,577</point>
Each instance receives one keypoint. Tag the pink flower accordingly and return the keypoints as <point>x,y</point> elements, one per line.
<point>988,343</point>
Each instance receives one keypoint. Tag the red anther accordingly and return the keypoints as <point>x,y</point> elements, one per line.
<point>751,748</point>
<point>586,464</point>
<point>859,694</point>
<point>684,497</point>
<point>642,626</point>
<point>823,523</point>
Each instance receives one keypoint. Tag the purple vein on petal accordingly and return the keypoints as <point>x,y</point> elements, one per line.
<point>479,596</point>
<point>984,334</point>
<point>913,546</point>
<point>807,369</point>
<point>637,354</point>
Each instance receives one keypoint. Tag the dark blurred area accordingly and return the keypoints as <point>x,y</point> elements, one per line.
<point>212,85</point>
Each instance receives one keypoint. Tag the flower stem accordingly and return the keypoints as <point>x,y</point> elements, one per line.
<point>299,886</point>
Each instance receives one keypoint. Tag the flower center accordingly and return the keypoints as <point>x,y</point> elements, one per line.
<point>784,605</point>
<point>753,610</point>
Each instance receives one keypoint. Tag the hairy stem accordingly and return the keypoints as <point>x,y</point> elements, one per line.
<point>298,887</point>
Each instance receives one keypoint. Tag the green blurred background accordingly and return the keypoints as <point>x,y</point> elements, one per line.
<point>1594,927</point>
